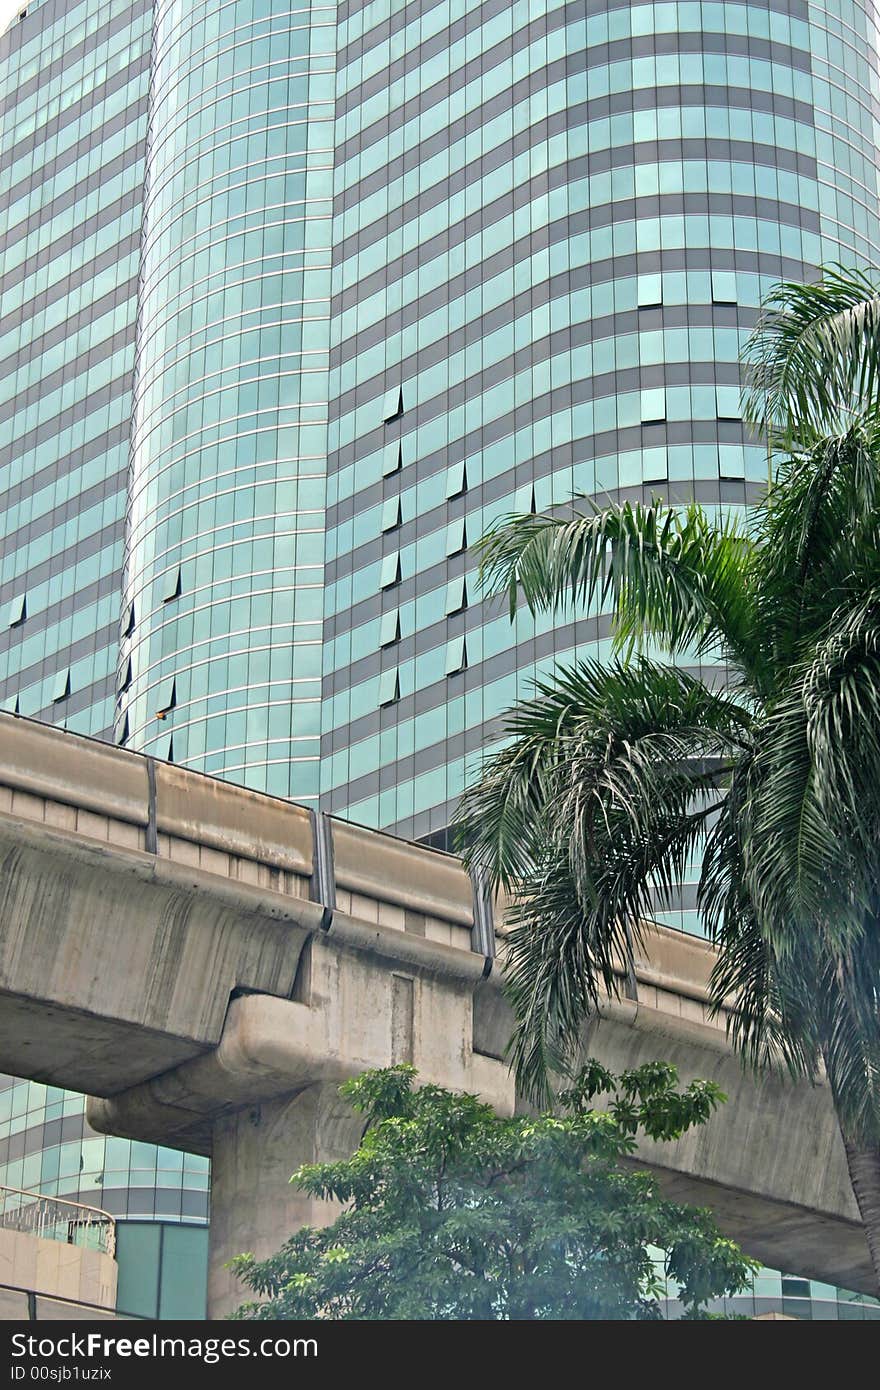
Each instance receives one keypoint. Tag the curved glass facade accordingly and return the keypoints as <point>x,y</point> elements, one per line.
<point>73,116</point>
<point>774,1295</point>
<point>220,664</point>
<point>552,227</point>
<point>47,1146</point>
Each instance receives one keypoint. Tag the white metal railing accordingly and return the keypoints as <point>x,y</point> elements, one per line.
<point>54,1218</point>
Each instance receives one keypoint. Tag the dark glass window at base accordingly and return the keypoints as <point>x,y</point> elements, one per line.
<point>163,1270</point>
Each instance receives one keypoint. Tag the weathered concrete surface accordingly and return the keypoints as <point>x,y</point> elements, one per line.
<point>770,1164</point>
<point>266,1099</point>
<point>116,965</point>
<point>367,998</point>
<point>159,948</point>
<point>256,1151</point>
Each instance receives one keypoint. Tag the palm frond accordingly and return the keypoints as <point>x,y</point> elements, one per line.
<point>667,573</point>
<point>793,865</point>
<point>813,354</point>
<point>846,1002</point>
<point>746,979</point>
<point>613,776</point>
<point>841,693</point>
<point>586,742</point>
<point>569,934</point>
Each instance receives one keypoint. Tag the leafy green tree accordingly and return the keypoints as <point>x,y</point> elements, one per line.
<point>454,1213</point>
<point>765,767</point>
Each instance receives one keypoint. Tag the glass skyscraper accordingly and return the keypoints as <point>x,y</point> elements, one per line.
<point>298,299</point>
<point>553,224</point>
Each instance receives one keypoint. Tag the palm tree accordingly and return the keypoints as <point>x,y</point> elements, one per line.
<point>738,723</point>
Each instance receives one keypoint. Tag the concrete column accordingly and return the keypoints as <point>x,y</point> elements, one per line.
<point>254,1206</point>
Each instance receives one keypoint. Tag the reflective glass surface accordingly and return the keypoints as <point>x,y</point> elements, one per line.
<point>552,229</point>
<point>74,81</point>
<point>73,112</point>
<point>224,538</point>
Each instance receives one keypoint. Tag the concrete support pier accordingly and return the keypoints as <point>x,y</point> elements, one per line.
<point>266,1099</point>
<point>254,1206</point>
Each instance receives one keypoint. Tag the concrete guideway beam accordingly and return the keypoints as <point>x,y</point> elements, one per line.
<point>769,1164</point>
<point>116,965</point>
<point>771,1139</point>
<point>367,998</point>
